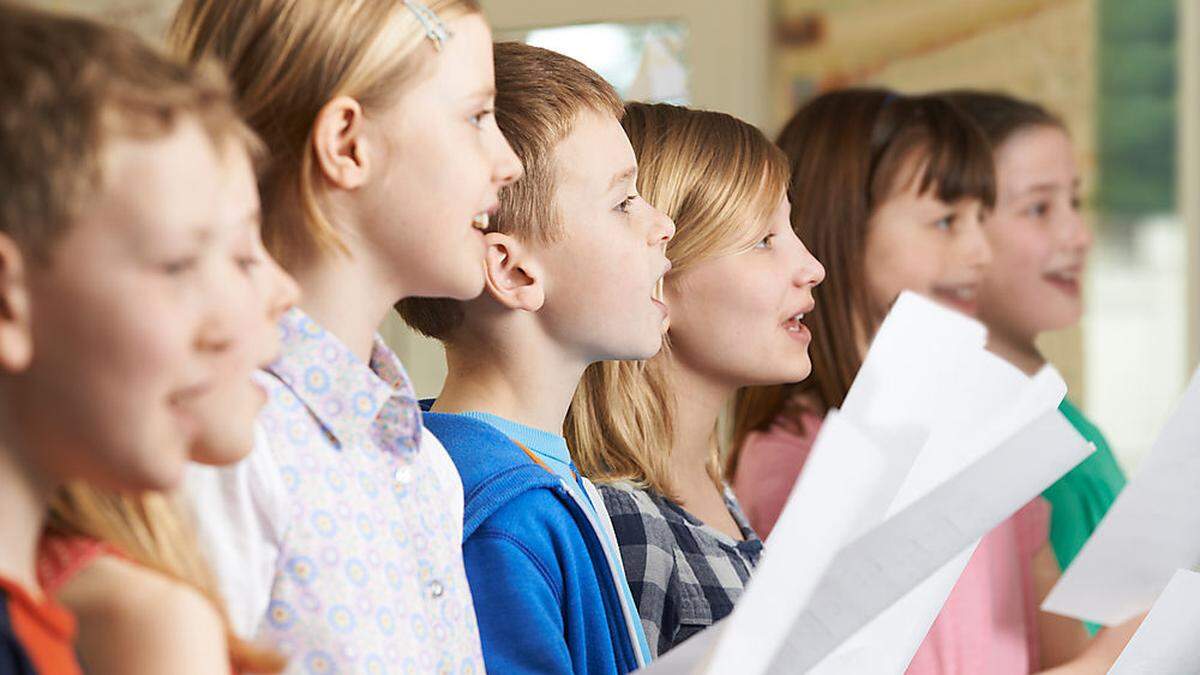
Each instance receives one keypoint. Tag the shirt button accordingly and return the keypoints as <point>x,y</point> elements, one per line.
<point>436,589</point>
<point>403,475</point>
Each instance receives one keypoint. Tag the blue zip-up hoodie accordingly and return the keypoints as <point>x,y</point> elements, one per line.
<point>540,580</point>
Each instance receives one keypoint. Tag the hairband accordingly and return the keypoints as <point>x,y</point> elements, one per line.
<point>435,29</point>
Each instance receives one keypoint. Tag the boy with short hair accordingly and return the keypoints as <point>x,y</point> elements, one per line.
<point>572,269</point>
<point>112,313</point>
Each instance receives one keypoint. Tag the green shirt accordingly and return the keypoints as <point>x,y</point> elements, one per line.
<point>1083,495</point>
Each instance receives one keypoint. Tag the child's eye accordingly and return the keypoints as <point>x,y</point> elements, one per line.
<point>180,265</point>
<point>765,242</point>
<point>1076,203</point>
<point>944,223</point>
<point>1038,210</point>
<point>623,207</point>
<point>247,262</point>
<point>478,118</point>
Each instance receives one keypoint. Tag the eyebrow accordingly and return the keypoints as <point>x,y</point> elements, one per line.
<point>1049,187</point>
<point>484,92</point>
<point>627,174</point>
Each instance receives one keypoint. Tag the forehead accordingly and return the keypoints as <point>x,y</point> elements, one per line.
<point>588,158</point>
<point>1037,156</point>
<point>463,67</point>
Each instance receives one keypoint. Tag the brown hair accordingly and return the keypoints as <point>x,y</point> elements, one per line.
<point>287,59</point>
<point>719,179</point>
<point>849,151</point>
<point>539,96</point>
<point>70,86</point>
<point>1000,115</point>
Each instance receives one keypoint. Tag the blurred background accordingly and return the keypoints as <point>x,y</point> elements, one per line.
<point>1124,75</point>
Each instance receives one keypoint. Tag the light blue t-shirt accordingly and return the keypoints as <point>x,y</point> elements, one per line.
<point>552,449</point>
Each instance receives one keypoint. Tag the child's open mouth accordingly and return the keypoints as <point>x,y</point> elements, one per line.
<point>963,297</point>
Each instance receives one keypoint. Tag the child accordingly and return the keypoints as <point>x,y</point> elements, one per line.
<point>890,191</point>
<point>339,538</point>
<point>128,566</point>
<point>571,275</point>
<point>1041,243</point>
<point>740,282</point>
<point>114,320</point>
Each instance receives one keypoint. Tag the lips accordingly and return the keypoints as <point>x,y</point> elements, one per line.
<point>1067,280</point>
<point>794,323</point>
<point>963,297</point>
<point>180,401</point>
<point>482,221</point>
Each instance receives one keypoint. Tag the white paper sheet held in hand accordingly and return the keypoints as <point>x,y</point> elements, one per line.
<point>1155,515</point>
<point>1165,643</point>
<point>842,475</point>
<point>965,442</point>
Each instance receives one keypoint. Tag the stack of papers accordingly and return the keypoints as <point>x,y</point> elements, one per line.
<point>937,443</point>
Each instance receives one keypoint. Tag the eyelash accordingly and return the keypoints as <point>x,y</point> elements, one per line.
<point>623,207</point>
<point>765,242</point>
<point>247,262</point>
<point>478,118</point>
<point>180,266</point>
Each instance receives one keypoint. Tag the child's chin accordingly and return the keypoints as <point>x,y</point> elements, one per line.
<point>464,288</point>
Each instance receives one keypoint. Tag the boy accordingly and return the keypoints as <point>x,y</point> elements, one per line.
<point>571,271</point>
<point>114,285</point>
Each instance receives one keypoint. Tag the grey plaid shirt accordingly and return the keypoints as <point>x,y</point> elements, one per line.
<point>684,575</point>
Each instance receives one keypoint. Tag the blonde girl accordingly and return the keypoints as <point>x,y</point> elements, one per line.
<point>339,538</point>
<point>647,432</point>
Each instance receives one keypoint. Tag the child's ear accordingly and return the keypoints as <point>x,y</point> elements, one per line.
<point>16,336</point>
<point>340,144</point>
<point>511,275</point>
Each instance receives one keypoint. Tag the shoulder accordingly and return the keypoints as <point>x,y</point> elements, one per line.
<point>639,517</point>
<point>535,516</point>
<point>135,620</point>
<point>623,497</point>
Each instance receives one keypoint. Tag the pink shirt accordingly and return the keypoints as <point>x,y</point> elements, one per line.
<point>988,624</point>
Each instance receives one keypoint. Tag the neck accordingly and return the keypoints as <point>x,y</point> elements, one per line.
<point>513,380</point>
<point>698,401</point>
<point>23,501</point>
<point>1019,350</point>
<point>346,298</point>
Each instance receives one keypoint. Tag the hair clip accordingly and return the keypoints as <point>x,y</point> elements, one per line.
<point>435,29</point>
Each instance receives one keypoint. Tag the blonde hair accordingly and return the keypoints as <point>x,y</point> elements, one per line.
<point>71,87</point>
<point>287,59</point>
<point>149,530</point>
<point>539,96</point>
<point>717,177</point>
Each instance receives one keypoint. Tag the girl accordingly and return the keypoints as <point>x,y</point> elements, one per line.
<point>129,566</point>
<point>339,538</point>
<point>648,431</point>
<point>1040,243</point>
<point>890,191</point>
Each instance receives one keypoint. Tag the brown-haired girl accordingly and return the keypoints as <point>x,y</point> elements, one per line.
<point>891,192</point>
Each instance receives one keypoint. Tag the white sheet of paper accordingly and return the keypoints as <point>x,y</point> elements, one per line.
<point>889,641</point>
<point>875,571</point>
<point>840,479</point>
<point>1165,643</point>
<point>1155,515</point>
